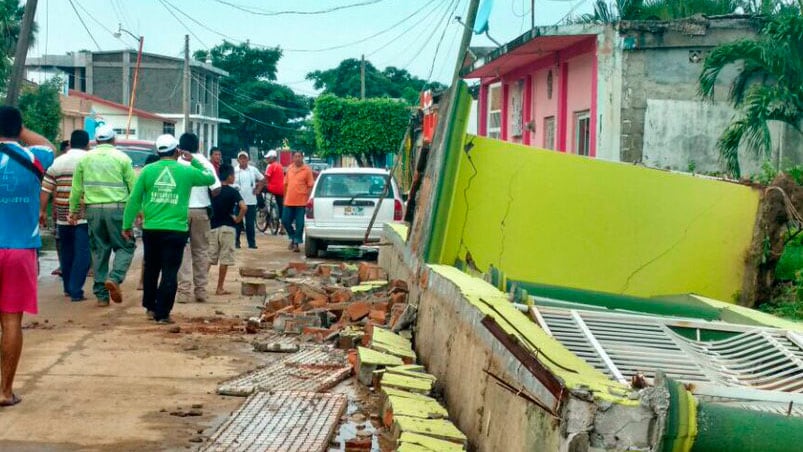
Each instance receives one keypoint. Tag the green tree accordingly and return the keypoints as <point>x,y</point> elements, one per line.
<point>10,23</point>
<point>366,129</point>
<point>769,86</point>
<point>41,108</point>
<point>395,83</point>
<point>262,113</point>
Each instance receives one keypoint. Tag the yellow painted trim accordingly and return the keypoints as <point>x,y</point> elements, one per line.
<point>490,301</point>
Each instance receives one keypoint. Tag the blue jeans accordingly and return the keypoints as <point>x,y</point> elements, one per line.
<point>293,221</point>
<point>74,258</point>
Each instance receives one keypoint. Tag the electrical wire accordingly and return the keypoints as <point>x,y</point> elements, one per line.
<point>259,12</point>
<point>324,49</point>
<point>428,39</point>
<point>102,25</point>
<point>407,30</point>
<point>450,46</point>
<point>81,19</point>
<point>243,115</point>
<point>440,41</point>
<point>170,10</point>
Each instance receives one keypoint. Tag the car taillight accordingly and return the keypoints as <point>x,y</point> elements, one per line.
<point>311,209</point>
<point>398,210</point>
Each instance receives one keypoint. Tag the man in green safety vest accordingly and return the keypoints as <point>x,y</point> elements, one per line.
<point>102,181</point>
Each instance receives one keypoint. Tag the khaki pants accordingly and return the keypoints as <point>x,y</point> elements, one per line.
<point>195,264</point>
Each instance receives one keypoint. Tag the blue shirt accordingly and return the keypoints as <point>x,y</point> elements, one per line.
<point>19,198</point>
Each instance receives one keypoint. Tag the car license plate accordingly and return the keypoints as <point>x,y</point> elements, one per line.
<point>353,211</point>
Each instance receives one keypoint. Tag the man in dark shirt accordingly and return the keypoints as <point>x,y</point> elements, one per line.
<point>224,220</point>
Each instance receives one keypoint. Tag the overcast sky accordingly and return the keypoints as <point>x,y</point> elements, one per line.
<point>417,27</point>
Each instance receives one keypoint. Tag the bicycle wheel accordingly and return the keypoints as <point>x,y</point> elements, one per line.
<point>273,217</point>
<point>262,220</point>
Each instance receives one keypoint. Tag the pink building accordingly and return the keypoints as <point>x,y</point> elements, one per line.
<point>542,90</point>
<point>624,92</point>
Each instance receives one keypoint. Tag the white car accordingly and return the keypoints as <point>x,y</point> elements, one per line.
<point>342,204</point>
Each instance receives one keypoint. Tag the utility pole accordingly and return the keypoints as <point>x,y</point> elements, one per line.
<point>187,84</point>
<point>468,30</point>
<point>532,14</point>
<point>362,78</point>
<point>18,71</point>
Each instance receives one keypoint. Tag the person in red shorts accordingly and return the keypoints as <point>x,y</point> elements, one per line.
<point>21,173</point>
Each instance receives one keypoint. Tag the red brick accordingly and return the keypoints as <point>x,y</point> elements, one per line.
<point>298,266</point>
<point>278,303</point>
<point>298,298</point>
<point>325,270</point>
<point>398,284</point>
<point>250,289</point>
<point>395,312</point>
<point>340,296</point>
<point>377,316</point>
<point>381,306</point>
<point>371,272</point>
<point>358,310</point>
<point>398,298</point>
<point>314,304</point>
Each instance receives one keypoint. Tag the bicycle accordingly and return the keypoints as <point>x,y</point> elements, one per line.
<point>268,214</point>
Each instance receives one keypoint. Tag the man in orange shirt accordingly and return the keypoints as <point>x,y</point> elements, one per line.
<point>297,187</point>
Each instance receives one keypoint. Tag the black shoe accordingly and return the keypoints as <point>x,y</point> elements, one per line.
<point>237,246</point>
<point>252,247</point>
<point>150,314</point>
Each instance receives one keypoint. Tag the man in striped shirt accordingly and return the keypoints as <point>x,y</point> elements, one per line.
<point>104,179</point>
<point>74,256</point>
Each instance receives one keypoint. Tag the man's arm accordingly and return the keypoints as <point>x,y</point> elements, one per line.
<point>31,138</point>
<point>77,190</point>
<point>48,186</point>
<point>260,181</point>
<point>129,176</point>
<point>133,206</point>
<point>200,175</point>
<point>310,178</point>
<point>241,214</point>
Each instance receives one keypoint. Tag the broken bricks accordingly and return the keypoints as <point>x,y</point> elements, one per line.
<point>253,287</point>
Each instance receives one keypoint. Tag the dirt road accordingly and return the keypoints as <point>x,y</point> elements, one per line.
<point>108,379</point>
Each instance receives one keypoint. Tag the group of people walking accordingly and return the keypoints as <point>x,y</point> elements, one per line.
<point>191,211</point>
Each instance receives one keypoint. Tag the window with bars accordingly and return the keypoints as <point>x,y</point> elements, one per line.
<point>495,111</point>
<point>549,132</point>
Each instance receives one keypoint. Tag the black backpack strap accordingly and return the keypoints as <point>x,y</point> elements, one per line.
<point>29,165</point>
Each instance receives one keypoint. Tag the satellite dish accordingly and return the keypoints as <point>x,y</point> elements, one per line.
<point>484,13</point>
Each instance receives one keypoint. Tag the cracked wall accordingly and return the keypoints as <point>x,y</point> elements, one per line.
<point>552,218</point>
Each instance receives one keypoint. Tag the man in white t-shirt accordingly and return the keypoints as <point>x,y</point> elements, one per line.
<point>195,263</point>
<point>249,181</point>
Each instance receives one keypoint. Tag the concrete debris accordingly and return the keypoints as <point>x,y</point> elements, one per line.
<point>275,347</point>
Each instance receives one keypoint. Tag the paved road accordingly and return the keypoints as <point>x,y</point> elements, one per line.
<point>107,378</point>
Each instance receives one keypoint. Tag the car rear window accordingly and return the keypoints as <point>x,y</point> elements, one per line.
<point>351,185</point>
<point>138,154</point>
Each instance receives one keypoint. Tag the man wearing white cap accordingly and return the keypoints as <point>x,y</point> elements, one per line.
<point>162,193</point>
<point>103,180</point>
<point>250,182</point>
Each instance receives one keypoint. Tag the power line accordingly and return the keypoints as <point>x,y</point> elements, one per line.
<point>450,46</point>
<point>102,25</point>
<point>170,10</point>
<point>238,112</point>
<point>259,12</point>
<point>324,49</point>
<point>407,30</point>
<point>440,41</point>
<point>84,24</point>
<point>428,39</point>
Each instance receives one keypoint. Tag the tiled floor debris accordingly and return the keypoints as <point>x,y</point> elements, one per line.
<point>280,421</point>
<point>316,369</point>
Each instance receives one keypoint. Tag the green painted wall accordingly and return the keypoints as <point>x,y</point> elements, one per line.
<point>558,219</point>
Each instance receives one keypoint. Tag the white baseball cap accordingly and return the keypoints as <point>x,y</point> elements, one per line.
<point>166,144</point>
<point>271,154</point>
<point>243,153</point>
<point>104,133</point>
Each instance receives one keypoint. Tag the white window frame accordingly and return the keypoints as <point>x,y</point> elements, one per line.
<point>580,116</point>
<point>495,131</point>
